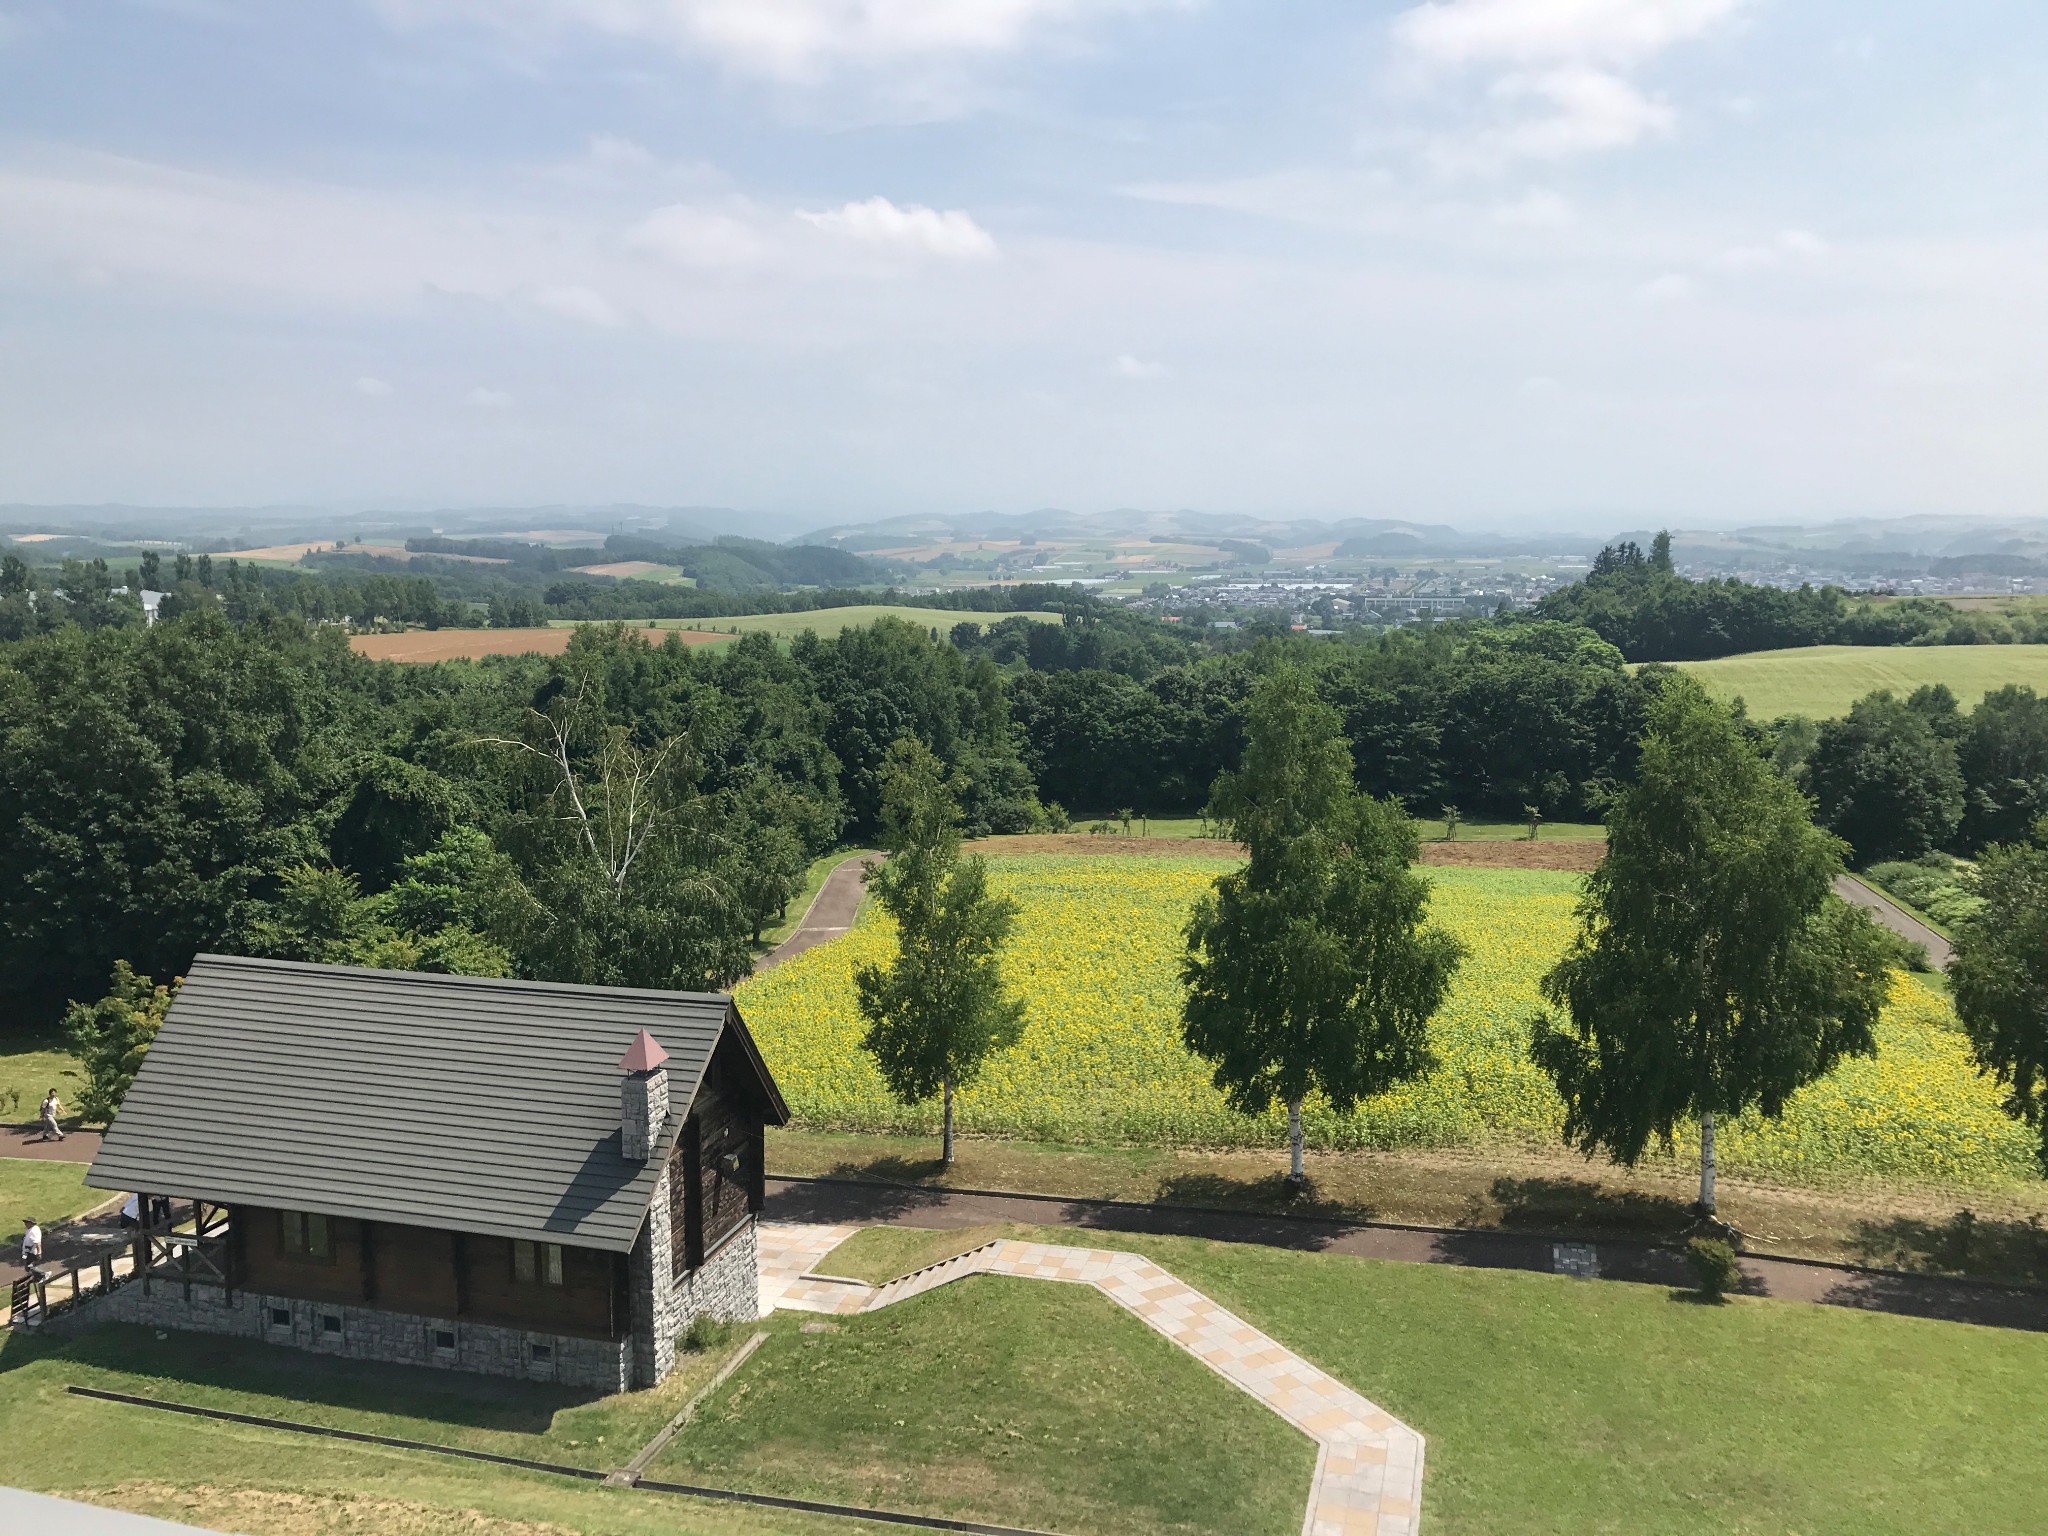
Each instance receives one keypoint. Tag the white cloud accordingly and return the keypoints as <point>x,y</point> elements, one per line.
<point>1671,288</point>
<point>694,236</point>
<point>1577,111</point>
<point>376,389</point>
<point>1125,366</point>
<point>1461,34</point>
<point>575,302</point>
<point>1558,71</point>
<point>791,40</point>
<point>879,222</point>
<point>489,399</point>
<point>1789,248</point>
<point>1538,208</point>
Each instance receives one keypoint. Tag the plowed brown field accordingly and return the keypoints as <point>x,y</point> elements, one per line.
<point>451,644</point>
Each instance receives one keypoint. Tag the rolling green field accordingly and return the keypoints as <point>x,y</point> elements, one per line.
<point>1824,680</point>
<point>1096,956</point>
<point>828,622</point>
<point>1553,1407</point>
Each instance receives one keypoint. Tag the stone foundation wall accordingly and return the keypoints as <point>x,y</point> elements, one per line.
<point>726,1287</point>
<point>360,1333</point>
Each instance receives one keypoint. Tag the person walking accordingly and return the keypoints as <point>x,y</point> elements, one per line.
<point>31,1247</point>
<point>52,1108</point>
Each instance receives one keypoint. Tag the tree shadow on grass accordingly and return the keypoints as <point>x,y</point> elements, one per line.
<point>197,1368</point>
<point>1268,1194</point>
<point>1965,1244</point>
<point>1588,1207</point>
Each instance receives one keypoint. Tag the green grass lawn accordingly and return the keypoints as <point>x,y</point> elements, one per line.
<point>1010,1401</point>
<point>239,1478</point>
<point>1824,680</point>
<point>32,1061</point>
<point>1550,1406</point>
<point>881,1254</point>
<point>51,1192</point>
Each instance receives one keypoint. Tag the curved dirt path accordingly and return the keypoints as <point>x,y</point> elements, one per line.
<point>830,914</point>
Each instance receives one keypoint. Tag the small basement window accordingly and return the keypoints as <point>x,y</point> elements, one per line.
<point>280,1317</point>
<point>306,1235</point>
<point>444,1339</point>
<point>542,1353</point>
<point>331,1322</point>
<point>536,1263</point>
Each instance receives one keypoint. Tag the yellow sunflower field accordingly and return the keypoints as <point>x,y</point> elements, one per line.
<point>1096,958</point>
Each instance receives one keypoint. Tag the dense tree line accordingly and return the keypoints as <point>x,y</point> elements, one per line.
<point>1901,778</point>
<point>624,812</point>
<point>1642,606</point>
<point>1490,718</point>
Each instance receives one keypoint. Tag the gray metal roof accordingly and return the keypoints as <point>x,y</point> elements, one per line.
<point>456,1102</point>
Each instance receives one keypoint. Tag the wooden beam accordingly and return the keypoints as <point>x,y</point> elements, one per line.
<point>458,1255</point>
<point>366,1248</point>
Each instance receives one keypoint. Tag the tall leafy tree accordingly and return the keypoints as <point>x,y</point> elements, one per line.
<point>1885,777</point>
<point>940,1009</point>
<point>1311,969</point>
<point>2004,757</point>
<point>1714,970</point>
<point>110,1038</point>
<point>2000,975</point>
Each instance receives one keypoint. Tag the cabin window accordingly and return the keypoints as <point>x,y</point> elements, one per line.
<point>280,1317</point>
<point>536,1263</point>
<point>444,1340</point>
<point>306,1235</point>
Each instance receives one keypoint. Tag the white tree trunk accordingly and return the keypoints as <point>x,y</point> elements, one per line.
<point>1295,1175</point>
<point>946,1140</point>
<point>1707,1163</point>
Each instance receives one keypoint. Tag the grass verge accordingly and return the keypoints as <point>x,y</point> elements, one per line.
<point>1009,1401</point>
<point>1929,1229</point>
<point>878,1255</point>
<point>49,1191</point>
<point>1551,1405</point>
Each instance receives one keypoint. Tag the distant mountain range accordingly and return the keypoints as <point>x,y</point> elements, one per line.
<point>1857,546</point>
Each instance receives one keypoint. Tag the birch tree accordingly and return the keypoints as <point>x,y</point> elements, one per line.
<point>940,1009</point>
<point>1311,969</point>
<point>1714,969</point>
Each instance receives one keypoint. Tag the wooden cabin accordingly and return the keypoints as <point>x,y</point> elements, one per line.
<point>504,1176</point>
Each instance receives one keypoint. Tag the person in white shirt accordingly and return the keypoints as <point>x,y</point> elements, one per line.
<point>51,1110</point>
<point>31,1244</point>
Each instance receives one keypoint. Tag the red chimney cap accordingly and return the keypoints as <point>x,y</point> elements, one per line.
<point>643,1055</point>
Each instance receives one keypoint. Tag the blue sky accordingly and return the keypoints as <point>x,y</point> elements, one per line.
<point>1493,262</point>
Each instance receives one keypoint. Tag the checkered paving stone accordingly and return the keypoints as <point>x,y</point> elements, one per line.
<point>1368,1477</point>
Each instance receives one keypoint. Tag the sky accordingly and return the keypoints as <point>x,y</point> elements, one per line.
<point>1499,263</point>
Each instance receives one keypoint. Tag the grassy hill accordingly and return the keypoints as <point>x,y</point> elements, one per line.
<point>1824,680</point>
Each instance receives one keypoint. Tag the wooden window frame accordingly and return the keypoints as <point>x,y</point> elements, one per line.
<point>536,1263</point>
<point>306,1236</point>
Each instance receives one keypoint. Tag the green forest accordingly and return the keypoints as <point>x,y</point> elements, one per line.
<point>235,777</point>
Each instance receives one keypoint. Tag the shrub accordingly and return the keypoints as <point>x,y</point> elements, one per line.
<point>1713,1263</point>
<point>704,1333</point>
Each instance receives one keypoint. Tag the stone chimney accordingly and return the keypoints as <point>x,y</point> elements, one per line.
<point>643,1097</point>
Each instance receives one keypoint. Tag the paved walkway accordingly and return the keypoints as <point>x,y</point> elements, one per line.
<point>1896,918</point>
<point>27,1141</point>
<point>830,913</point>
<point>852,1204</point>
<point>1368,1477</point>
